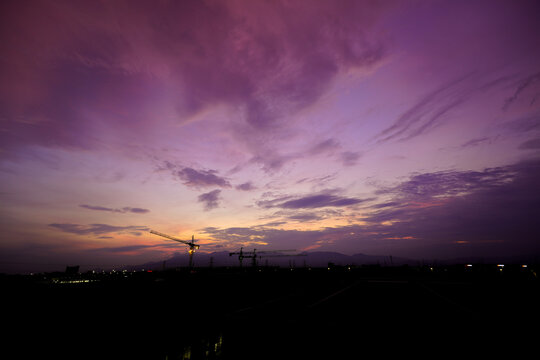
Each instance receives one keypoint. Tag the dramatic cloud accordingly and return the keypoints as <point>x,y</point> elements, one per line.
<point>433,190</point>
<point>449,183</point>
<point>375,126</point>
<point>210,199</point>
<point>323,199</point>
<point>263,237</point>
<point>122,210</point>
<point>269,59</point>
<point>98,229</point>
<point>483,211</point>
<point>491,218</point>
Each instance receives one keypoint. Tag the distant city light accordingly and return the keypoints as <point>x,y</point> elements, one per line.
<point>56,281</point>
<point>500,265</point>
<point>469,265</point>
<point>523,266</point>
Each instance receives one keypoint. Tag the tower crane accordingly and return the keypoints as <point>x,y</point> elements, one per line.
<point>254,254</point>
<point>191,244</point>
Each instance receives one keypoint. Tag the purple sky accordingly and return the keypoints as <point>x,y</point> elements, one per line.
<point>407,128</point>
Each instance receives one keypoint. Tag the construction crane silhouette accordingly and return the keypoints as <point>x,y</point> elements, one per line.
<point>253,255</point>
<point>191,244</point>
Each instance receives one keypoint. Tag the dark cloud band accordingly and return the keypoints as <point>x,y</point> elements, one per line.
<point>121,210</point>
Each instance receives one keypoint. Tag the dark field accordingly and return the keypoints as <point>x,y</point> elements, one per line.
<point>273,314</point>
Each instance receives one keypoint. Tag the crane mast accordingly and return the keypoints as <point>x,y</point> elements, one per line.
<point>191,244</point>
<point>254,254</point>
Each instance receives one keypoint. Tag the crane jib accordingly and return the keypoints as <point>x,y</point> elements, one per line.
<point>190,243</point>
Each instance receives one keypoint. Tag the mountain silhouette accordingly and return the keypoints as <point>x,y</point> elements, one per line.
<point>303,259</point>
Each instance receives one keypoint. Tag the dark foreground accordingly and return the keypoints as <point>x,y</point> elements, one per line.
<point>272,314</point>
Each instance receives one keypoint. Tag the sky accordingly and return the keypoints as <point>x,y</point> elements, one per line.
<point>403,128</point>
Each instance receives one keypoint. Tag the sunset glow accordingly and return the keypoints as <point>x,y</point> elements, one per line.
<point>409,128</point>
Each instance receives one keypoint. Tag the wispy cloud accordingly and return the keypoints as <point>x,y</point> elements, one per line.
<point>196,178</point>
<point>258,237</point>
<point>476,142</point>
<point>273,160</point>
<point>305,217</point>
<point>483,213</point>
<point>326,146</point>
<point>427,112</point>
<point>247,186</point>
<point>350,158</point>
<point>201,178</point>
<point>318,200</point>
<point>116,210</point>
<point>267,59</point>
<point>487,211</point>
<point>437,107</point>
<point>210,199</point>
<point>98,229</point>
<point>523,124</point>
<point>131,248</point>
<point>308,215</point>
<point>528,82</point>
<point>532,144</point>
<point>440,184</point>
